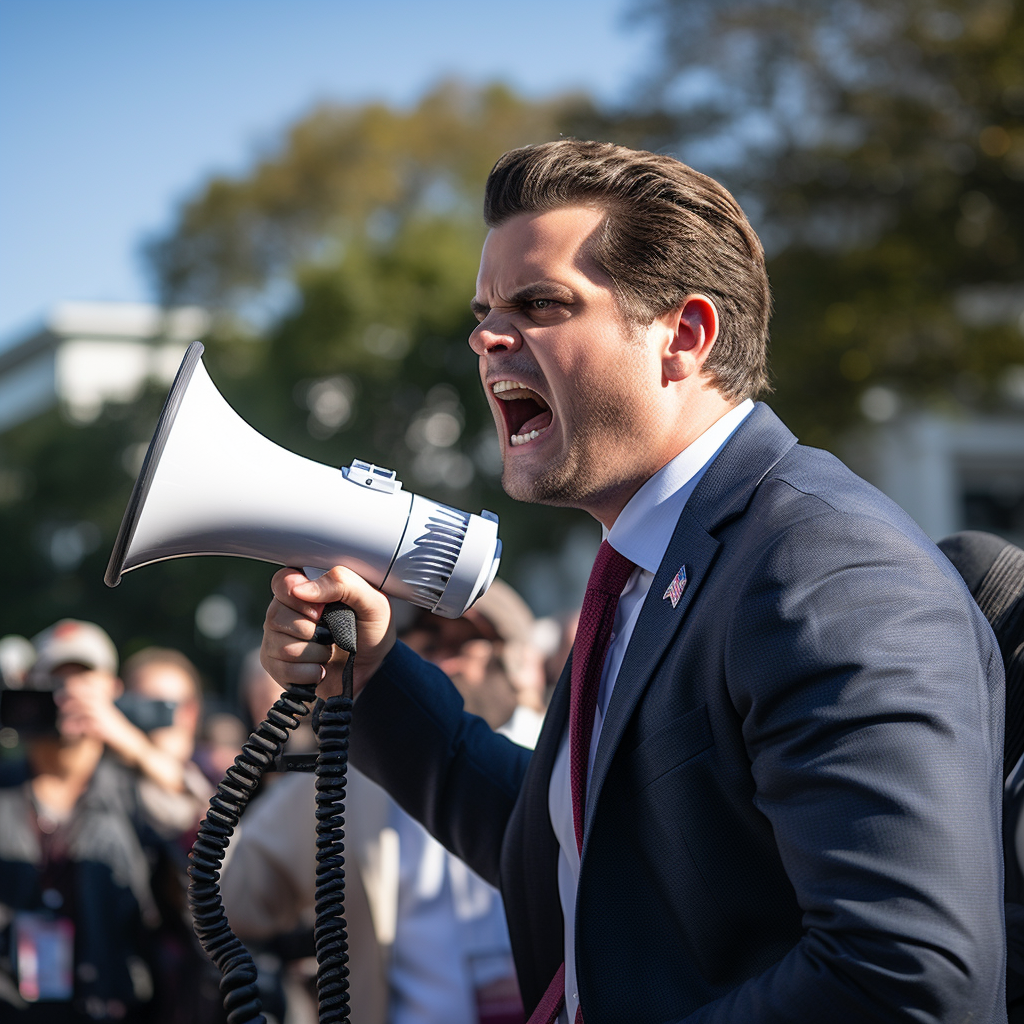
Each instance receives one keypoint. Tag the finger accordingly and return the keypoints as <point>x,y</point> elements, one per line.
<point>283,618</point>
<point>341,584</point>
<point>290,673</point>
<point>301,652</point>
<point>71,703</point>
<point>283,585</point>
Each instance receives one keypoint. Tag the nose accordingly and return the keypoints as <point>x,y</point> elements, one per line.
<point>494,334</point>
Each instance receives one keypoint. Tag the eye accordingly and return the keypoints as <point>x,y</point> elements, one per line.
<point>540,303</point>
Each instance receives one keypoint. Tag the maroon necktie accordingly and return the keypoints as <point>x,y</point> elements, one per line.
<point>593,634</point>
<point>607,578</point>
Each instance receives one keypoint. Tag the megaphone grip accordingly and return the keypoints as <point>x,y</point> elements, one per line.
<point>341,621</point>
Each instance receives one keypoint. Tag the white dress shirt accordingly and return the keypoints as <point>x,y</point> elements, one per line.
<point>642,533</point>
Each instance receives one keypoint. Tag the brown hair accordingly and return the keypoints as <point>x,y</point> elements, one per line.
<point>161,656</point>
<point>669,232</point>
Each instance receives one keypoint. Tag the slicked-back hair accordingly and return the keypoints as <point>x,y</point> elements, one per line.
<point>669,232</point>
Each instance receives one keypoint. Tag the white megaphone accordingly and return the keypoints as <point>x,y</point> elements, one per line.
<point>211,485</point>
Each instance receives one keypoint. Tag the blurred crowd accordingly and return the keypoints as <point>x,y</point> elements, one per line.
<point>106,769</point>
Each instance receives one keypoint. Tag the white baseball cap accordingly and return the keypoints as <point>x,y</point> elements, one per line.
<point>73,642</point>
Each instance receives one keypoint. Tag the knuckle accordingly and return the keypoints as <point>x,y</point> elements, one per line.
<point>339,574</point>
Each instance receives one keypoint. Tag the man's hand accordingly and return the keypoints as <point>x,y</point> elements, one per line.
<point>86,703</point>
<point>289,653</point>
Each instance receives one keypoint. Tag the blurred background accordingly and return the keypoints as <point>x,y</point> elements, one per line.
<point>299,186</point>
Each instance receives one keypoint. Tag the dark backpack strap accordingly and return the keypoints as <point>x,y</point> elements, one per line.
<point>1000,596</point>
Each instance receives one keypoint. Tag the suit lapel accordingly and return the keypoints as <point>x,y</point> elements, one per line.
<point>723,493</point>
<point>655,630</point>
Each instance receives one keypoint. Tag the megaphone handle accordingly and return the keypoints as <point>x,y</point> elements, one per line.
<point>341,621</point>
<point>334,721</point>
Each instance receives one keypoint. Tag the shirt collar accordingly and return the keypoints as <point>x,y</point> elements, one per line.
<point>644,527</point>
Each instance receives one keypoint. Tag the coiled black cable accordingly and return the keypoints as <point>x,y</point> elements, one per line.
<point>331,772</point>
<point>238,981</point>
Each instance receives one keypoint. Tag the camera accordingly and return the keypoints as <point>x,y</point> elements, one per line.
<point>34,712</point>
<point>29,712</point>
<point>145,713</point>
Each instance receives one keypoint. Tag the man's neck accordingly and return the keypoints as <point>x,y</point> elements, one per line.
<point>702,414</point>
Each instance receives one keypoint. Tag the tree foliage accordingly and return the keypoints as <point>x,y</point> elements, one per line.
<point>879,145</point>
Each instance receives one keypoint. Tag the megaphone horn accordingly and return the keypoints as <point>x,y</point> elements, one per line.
<point>212,485</point>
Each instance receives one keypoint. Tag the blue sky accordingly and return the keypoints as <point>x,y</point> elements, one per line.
<point>112,110</point>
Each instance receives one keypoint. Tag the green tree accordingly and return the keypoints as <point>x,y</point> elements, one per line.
<point>879,145</point>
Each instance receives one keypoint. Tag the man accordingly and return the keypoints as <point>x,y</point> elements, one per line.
<point>788,804</point>
<point>490,656</point>
<point>173,791</point>
<point>154,675</point>
<point>78,899</point>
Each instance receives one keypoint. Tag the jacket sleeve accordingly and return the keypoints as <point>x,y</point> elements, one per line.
<point>442,765</point>
<point>871,698</point>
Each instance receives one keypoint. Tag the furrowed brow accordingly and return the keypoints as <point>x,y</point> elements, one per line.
<point>537,290</point>
<point>541,290</point>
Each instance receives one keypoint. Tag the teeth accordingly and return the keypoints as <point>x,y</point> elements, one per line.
<point>517,439</point>
<point>509,390</point>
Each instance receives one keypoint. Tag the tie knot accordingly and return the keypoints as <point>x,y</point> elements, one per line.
<point>611,570</point>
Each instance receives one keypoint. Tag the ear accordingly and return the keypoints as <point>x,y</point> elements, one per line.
<point>692,330</point>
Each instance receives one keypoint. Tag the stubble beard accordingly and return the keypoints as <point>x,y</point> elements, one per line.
<point>602,453</point>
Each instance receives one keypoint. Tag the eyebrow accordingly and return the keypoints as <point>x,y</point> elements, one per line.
<point>537,290</point>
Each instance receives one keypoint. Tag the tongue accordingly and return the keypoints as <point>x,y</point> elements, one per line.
<point>538,422</point>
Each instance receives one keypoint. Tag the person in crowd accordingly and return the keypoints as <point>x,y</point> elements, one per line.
<point>422,919</point>
<point>159,751</point>
<point>77,906</point>
<point>768,785</point>
<point>220,741</point>
<point>16,658</point>
<point>164,693</point>
<point>490,655</point>
<point>172,788</point>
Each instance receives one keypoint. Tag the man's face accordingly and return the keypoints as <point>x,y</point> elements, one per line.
<point>572,386</point>
<point>168,682</point>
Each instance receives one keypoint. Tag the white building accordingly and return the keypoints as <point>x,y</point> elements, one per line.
<point>960,470</point>
<point>89,353</point>
<point>950,473</point>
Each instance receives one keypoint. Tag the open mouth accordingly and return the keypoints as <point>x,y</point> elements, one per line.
<point>527,415</point>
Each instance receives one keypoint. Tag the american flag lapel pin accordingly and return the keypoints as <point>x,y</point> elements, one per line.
<point>676,587</point>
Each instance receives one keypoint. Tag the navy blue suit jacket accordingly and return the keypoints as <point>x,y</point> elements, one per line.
<point>794,810</point>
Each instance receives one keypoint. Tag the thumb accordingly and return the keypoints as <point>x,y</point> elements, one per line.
<point>344,585</point>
